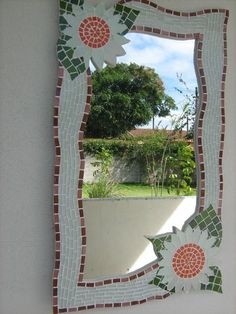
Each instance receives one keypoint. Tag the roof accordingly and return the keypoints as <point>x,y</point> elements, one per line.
<point>145,132</point>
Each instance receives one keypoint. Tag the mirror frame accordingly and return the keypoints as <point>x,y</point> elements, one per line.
<point>208,28</point>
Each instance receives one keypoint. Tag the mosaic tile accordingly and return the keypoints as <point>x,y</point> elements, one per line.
<point>128,16</point>
<point>185,257</point>
<point>215,281</point>
<point>208,220</point>
<point>72,101</point>
<point>83,34</point>
<point>66,6</point>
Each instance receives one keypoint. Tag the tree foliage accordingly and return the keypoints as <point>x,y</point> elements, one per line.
<point>124,97</point>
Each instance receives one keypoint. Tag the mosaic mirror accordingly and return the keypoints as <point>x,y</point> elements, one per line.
<point>185,259</point>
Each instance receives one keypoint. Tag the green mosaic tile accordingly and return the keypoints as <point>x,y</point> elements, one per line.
<point>128,16</point>
<point>74,66</point>
<point>158,281</point>
<point>62,23</point>
<point>66,6</point>
<point>61,55</point>
<point>208,220</point>
<point>158,243</point>
<point>215,281</point>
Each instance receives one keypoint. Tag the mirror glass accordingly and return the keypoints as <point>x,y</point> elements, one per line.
<point>117,227</point>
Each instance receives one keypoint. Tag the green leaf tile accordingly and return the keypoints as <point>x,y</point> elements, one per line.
<point>208,220</point>
<point>159,243</point>
<point>158,281</point>
<point>128,16</point>
<point>66,5</point>
<point>215,281</point>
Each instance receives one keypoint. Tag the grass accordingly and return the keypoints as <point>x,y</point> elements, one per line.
<point>137,190</point>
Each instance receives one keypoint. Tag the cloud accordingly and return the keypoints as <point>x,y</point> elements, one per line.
<point>168,57</point>
<point>145,56</point>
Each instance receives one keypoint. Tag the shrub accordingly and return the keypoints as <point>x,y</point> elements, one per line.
<point>168,159</point>
<point>103,185</point>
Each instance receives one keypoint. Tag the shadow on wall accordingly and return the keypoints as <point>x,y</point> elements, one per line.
<point>116,230</point>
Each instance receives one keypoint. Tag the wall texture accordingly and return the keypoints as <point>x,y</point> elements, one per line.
<point>28,77</point>
<point>121,170</point>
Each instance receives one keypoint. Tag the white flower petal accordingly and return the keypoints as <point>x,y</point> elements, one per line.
<point>213,251</point>
<point>172,282</point>
<point>100,9</point>
<point>180,236</point>
<point>120,39</point>
<point>189,233</point>
<point>68,31</point>
<point>211,241</point>
<point>197,234</point>
<point>70,19</point>
<point>73,43</point>
<point>163,271</point>
<point>187,284</point>
<point>196,285</point>
<point>178,286</point>
<point>97,62</point>
<point>171,246</point>
<point>88,6</point>
<point>167,255</point>
<point>203,278</point>
<point>110,59</point>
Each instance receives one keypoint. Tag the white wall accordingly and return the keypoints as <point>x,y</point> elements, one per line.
<point>122,171</point>
<point>28,34</point>
<point>116,228</point>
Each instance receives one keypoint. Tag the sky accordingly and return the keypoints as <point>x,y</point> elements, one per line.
<point>168,57</point>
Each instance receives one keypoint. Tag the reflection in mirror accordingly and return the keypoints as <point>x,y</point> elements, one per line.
<point>116,228</point>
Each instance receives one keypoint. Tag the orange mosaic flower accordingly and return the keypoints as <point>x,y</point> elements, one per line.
<point>186,259</point>
<point>95,34</point>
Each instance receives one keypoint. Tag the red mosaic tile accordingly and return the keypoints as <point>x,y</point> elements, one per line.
<point>99,283</point>
<point>94,32</point>
<point>169,11</point>
<point>115,280</point>
<point>108,305</point>
<point>176,13</point>
<point>107,282</point>
<point>133,277</point>
<point>161,9</point>
<point>100,306</point>
<point>164,33</point>
<point>82,308</point>
<point>55,121</point>
<point>154,5</point>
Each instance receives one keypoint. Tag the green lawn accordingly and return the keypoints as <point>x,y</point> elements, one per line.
<point>138,190</point>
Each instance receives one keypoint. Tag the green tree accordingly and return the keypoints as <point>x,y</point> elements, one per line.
<point>124,97</point>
